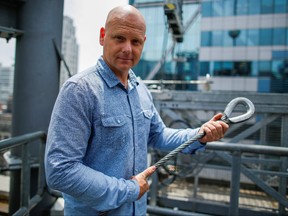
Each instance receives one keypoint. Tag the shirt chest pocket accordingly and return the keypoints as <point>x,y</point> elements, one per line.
<point>143,123</point>
<point>115,132</point>
<point>114,121</point>
<point>148,114</point>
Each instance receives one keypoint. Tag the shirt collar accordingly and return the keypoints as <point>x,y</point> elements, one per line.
<point>110,78</point>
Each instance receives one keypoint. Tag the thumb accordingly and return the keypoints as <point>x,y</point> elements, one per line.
<point>148,172</point>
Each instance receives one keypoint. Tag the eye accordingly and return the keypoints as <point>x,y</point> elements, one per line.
<point>136,42</point>
<point>119,38</point>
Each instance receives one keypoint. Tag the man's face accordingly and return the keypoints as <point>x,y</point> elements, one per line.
<point>123,42</point>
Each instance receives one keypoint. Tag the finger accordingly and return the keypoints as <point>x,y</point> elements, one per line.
<point>224,125</point>
<point>148,172</point>
<point>213,131</point>
<point>218,129</point>
<point>217,117</point>
<point>212,128</point>
<point>208,132</point>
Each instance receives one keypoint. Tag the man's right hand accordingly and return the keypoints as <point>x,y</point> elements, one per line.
<point>141,178</point>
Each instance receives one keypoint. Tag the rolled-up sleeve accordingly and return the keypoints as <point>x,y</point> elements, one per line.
<point>167,139</point>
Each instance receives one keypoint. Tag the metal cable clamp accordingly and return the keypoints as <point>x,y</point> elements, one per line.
<point>250,109</point>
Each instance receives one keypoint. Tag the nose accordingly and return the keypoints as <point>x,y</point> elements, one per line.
<point>127,47</point>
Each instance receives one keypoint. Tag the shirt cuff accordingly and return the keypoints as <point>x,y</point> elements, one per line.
<point>134,190</point>
<point>202,143</point>
<point>195,146</point>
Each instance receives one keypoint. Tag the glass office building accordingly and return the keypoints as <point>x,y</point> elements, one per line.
<point>243,43</point>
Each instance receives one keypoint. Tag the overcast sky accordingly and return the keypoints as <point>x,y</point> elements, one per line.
<point>88,16</point>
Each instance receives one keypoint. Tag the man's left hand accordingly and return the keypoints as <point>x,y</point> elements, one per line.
<point>214,129</point>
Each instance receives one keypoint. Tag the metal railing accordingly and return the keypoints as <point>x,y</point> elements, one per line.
<point>27,203</point>
<point>237,167</point>
<point>232,154</point>
<point>236,160</point>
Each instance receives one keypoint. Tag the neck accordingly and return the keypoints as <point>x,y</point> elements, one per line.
<point>123,79</point>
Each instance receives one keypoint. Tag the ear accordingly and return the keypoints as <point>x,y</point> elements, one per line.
<point>102,34</point>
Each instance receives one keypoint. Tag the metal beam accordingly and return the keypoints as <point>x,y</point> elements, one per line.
<point>217,100</point>
<point>9,33</point>
<point>249,131</point>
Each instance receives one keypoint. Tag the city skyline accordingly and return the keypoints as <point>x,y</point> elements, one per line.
<point>88,19</point>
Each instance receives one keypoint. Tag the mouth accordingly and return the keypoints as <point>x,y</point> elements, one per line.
<point>125,59</point>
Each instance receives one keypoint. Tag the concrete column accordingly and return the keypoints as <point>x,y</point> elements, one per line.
<point>36,82</point>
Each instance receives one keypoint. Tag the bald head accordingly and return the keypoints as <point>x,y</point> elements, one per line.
<point>123,40</point>
<point>126,15</point>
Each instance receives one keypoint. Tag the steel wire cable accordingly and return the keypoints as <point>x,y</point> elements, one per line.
<point>225,118</point>
<point>177,150</point>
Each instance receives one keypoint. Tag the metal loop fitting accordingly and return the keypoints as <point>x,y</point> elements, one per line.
<point>231,106</point>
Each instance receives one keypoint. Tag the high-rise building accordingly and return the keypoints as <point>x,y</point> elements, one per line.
<point>6,83</point>
<point>6,91</point>
<point>70,53</point>
<point>69,50</point>
<point>241,44</point>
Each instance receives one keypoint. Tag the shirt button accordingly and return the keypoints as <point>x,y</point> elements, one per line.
<point>118,121</point>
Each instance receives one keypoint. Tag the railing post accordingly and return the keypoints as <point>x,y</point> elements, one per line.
<point>154,185</point>
<point>235,184</point>
<point>41,174</point>
<point>25,177</point>
<point>195,189</point>
<point>284,162</point>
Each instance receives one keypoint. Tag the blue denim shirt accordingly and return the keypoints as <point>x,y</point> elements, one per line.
<point>98,139</point>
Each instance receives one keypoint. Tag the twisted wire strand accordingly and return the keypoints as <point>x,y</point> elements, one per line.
<point>177,150</point>
<point>186,144</point>
<point>229,108</point>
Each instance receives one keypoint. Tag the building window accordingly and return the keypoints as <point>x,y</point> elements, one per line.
<point>205,38</point>
<point>265,68</point>
<point>254,68</point>
<point>245,37</point>
<point>229,7</point>
<point>252,37</point>
<point>280,69</point>
<point>286,36</point>
<point>228,68</point>
<point>204,68</point>
<point>266,6</point>
<point>144,1</point>
<point>242,68</point>
<point>227,39</point>
<point>265,37</point>
<point>217,68</point>
<point>206,9</point>
<point>217,38</point>
<point>242,7</point>
<point>281,6</point>
<point>241,39</point>
<point>217,8</point>
<point>254,7</point>
<point>279,36</point>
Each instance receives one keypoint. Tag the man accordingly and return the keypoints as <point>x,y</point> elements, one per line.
<point>102,124</point>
